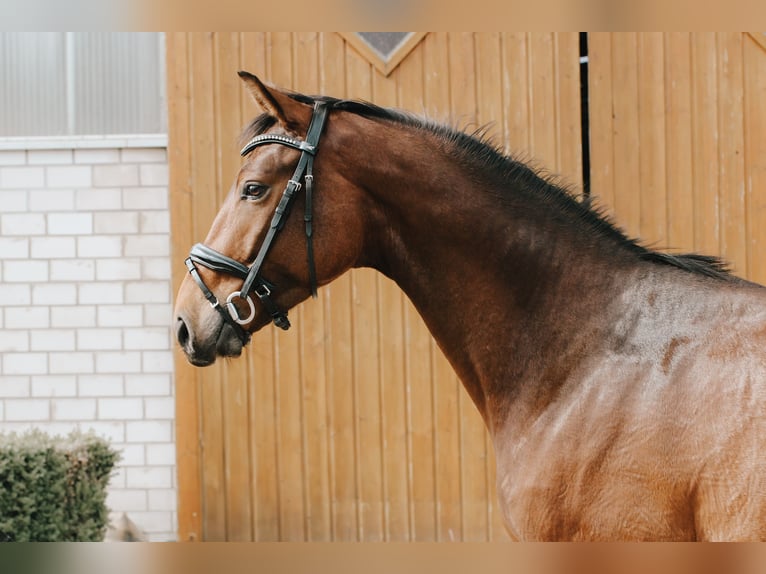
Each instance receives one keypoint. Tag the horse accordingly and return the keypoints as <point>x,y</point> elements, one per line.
<point>624,389</point>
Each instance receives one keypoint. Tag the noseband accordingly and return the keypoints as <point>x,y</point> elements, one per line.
<point>252,280</point>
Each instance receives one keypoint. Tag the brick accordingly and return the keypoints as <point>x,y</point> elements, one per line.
<point>149,431</point>
<point>99,339</point>
<point>52,247</point>
<point>154,221</point>
<point>147,292</point>
<point>119,409</point>
<point>14,341</point>
<point>154,522</point>
<point>2,411</point>
<point>27,410</point>
<point>116,175</point>
<point>49,157</point>
<point>124,500</point>
<point>158,315</point>
<point>13,201</point>
<point>22,177</point>
<point>73,316</point>
<point>96,156</point>
<point>73,270</point>
<point>13,157</point>
<point>118,222</point>
<point>52,340</point>
<point>113,431</point>
<point>154,174</point>
<point>132,454</point>
<point>25,363</point>
<point>143,155</point>
<point>142,477</point>
<point>73,409</point>
<point>120,315</point>
<point>14,247</point>
<point>160,408</point>
<point>117,478</point>
<point>118,269</point>
<point>51,200</point>
<point>71,363</point>
<point>147,338</point>
<point>101,292</point>
<point>54,386</point>
<point>147,385</point>
<point>54,294</point>
<point>161,454</point>
<point>70,223</point>
<point>149,245</point>
<point>22,224</point>
<point>98,199</point>
<point>100,385</point>
<point>69,176</point>
<point>25,271</point>
<point>99,246</point>
<point>143,198</point>
<point>14,387</point>
<point>157,361</point>
<point>163,499</point>
<point>156,268</point>
<point>27,318</point>
<point>118,362</point>
<point>15,294</point>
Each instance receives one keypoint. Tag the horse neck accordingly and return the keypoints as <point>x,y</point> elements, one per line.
<point>494,275</point>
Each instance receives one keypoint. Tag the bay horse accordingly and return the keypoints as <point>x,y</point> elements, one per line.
<point>624,389</point>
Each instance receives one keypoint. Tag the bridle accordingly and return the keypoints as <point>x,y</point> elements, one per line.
<point>252,280</point>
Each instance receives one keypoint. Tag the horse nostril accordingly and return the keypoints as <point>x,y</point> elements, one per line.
<point>182,332</point>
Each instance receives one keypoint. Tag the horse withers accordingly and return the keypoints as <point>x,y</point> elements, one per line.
<point>624,389</point>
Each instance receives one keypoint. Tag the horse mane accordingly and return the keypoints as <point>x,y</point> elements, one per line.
<point>477,149</point>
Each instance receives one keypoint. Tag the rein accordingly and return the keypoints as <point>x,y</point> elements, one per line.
<point>252,280</point>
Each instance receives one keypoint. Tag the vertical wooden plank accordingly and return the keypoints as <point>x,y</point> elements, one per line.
<point>705,143</point>
<point>626,139</point>
<point>234,384</point>
<point>542,100</point>
<point>601,114</point>
<point>651,124</point>
<point>181,199</point>
<point>366,359</point>
<point>338,350</point>
<point>731,157</point>
<point>415,381</point>
<point>515,74</point>
<point>678,146</point>
<point>489,92</point>
<point>473,450</point>
<point>754,62</point>
<point>567,102</point>
<point>445,457</point>
<point>314,391</point>
<point>288,358</point>
<point>407,77</point>
<point>260,358</point>
<point>203,159</point>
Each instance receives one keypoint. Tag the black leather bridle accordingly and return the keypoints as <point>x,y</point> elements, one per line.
<point>252,280</point>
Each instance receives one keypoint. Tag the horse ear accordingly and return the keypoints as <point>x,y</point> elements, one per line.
<point>289,112</point>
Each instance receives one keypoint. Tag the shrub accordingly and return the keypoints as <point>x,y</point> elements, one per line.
<point>54,488</point>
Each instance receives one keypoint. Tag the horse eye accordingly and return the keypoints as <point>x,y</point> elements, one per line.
<point>253,190</point>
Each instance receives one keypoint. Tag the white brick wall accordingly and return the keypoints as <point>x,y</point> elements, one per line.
<point>85,312</point>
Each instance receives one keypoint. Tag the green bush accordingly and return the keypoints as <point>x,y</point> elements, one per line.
<point>54,488</point>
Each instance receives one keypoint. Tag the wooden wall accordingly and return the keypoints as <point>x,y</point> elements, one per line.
<point>678,140</point>
<point>350,426</point>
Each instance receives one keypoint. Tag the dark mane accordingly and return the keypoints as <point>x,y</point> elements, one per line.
<point>478,150</point>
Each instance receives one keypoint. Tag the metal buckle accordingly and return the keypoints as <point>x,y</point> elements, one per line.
<point>262,291</point>
<point>232,308</point>
<point>297,184</point>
